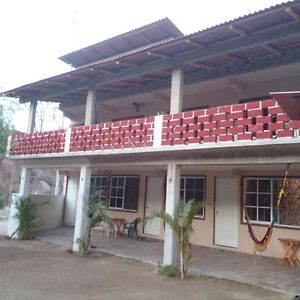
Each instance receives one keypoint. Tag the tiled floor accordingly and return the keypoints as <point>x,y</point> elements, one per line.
<point>256,270</point>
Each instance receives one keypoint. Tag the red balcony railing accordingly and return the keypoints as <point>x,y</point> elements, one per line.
<point>233,123</point>
<point>249,121</point>
<point>133,133</point>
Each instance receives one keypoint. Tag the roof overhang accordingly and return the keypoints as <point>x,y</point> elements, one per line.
<point>289,102</point>
<point>262,40</point>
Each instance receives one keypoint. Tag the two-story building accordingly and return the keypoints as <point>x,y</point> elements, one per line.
<point>160,117</point>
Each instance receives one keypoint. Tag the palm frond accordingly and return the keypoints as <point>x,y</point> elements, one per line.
<point>165,217</point>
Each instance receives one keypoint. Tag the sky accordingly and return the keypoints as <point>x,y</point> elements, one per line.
<point>35,33</point>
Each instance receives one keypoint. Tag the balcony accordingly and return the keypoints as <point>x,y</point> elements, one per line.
<point>231,125</point>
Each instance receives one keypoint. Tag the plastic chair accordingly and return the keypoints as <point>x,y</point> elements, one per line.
<point>132,227</point>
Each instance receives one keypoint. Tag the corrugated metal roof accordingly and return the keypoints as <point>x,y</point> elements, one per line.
<point>249,25</point>
<point>125,42</point>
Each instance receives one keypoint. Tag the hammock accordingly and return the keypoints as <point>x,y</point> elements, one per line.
<point>261,245</point>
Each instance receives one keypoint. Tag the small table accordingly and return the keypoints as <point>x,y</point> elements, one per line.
<point>117,224</point>
<point>291,247</point>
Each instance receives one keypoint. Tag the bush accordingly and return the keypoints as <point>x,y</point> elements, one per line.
<point>168,271</point>
<point>27,217</point>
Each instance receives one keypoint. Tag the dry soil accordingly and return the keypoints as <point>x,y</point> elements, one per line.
<point>40,270</point>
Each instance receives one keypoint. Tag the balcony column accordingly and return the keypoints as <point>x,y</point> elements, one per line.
<point>172,198</point>
<point>90,107</point>
<point>176,91</point>
<point>83,195</point>
<point>23,193</point>
<point>31,117</point>
<point>57,184</point>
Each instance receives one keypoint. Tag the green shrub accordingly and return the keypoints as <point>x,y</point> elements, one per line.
<point>27,217</point>
<point>168,271</point>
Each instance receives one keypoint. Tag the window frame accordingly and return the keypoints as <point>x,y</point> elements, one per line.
<point>124,193</point>
<point>203,177</point>
<point>107,186</point>
<point>262,223</point>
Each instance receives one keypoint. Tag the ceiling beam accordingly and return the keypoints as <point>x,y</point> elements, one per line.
<point>151,53</point>
<point>272,49</point>
<point>234,57</point>
<point>202,65</point>
<point>236,30</point>
<point>221,71</point>
<point>194,43</point>
<point>271,36</point>
<point>107,108</point>
<point>292,13</point>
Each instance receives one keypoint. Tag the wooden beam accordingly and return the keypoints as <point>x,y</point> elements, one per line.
<point>234,57</point>
<point>272,49</point>
<point>292,13</point>
<point>127,64</point>
<point>151,53</point>
<point>270,36</point>
<point>236,30</point>
<point>202,65</point>
<point>196,44</point>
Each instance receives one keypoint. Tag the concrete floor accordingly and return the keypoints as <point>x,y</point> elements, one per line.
<point>255,270</point>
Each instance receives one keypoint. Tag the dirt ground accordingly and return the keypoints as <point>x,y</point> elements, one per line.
<point>41,270</point>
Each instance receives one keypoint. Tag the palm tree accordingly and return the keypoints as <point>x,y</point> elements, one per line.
<point>95,213</point>
<point>181,225</point>
<point>27,216</point>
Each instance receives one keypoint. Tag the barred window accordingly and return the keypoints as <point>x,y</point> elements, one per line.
<point>261,196</point>
<point>98,189</point>
<point>124,192</point>
<point>193,187</point>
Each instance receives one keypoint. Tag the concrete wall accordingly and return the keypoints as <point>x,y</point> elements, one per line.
<point>52,214</point>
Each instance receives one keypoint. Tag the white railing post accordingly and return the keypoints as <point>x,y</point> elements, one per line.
<point>158,123</point>
<point>67,140</point>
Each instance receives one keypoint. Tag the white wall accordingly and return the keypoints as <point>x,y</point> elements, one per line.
<point>71,200</point>
<point>51,214</point>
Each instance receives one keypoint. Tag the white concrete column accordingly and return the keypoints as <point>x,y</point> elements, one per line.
<point>90,107</point>
<point>172,198</point>
<point>158,124</point>
<point>83,195</point>
<point>176,91</point>
<point>31,117</point>
<point>23,193</point>
<point>57,184</point>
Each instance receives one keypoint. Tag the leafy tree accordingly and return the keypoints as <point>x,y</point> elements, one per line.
<point>181,225</point>
<point>5,128</point>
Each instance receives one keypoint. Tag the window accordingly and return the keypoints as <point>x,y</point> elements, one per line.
<point>98,189</point>
<point>193,188</point>
<point>261,195</point>
<point>124,192</point>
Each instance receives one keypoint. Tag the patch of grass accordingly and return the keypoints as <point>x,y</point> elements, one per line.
<point>168,271</point>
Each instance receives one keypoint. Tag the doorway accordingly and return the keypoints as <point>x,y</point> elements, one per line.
<point>154,197</point>
<point>226,211</point>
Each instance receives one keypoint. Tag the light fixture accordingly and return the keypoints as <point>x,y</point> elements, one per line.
<point>138,106</point>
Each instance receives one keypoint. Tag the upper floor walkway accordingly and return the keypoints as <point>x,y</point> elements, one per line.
<point>253,123</point>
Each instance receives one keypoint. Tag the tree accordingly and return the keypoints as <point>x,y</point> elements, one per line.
<point>95,213</point>
<point>5,128</point>
<point>27,216</point>
<point>181,225</point>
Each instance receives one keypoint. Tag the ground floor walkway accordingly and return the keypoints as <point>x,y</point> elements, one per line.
<point>255,270</point>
